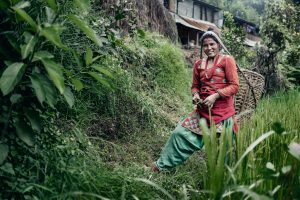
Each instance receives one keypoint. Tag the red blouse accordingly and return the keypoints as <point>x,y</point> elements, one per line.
<point>221,78</point>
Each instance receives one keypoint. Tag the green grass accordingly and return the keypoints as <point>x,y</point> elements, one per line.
<point>280,113</point>
<point>114,169</point>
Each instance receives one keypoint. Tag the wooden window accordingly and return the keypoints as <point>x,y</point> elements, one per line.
<point>166,3</point>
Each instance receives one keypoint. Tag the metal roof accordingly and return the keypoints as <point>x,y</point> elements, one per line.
<point>195,23</point>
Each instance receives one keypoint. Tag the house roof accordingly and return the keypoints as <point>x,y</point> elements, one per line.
<point>207,5</point>
<point>240,20</point>
<point>196,24</point>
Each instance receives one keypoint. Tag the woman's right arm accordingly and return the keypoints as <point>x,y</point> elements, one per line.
<point>196,83</point>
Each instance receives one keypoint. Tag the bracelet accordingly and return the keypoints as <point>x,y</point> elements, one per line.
<point>219,93</point>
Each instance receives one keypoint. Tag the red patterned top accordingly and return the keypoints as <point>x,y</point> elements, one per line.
<point>221,78</point>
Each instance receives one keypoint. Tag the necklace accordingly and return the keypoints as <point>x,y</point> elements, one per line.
<point>206,67</point>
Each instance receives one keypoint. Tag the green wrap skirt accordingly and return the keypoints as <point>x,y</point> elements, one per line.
<point>181,145</point>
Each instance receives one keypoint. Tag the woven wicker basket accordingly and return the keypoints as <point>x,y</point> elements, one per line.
<point>251,89</point>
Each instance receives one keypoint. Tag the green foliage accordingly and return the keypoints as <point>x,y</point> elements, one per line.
<point>37,71</point>
<point>281,36</point>
<point>250,10</point>
<point>271,164</point>
<point>11,76</point>
<point>72,160</point>
<point>234,37</point>
<point>218,151</point>
<point>56,58</point>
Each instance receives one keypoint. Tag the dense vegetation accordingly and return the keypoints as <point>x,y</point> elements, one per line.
<point>83,108</point>
<point>250,10</point>
<point>69,82</point>
<point>277,58</point>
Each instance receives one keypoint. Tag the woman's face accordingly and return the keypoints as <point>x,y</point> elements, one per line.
<point>210,47</point>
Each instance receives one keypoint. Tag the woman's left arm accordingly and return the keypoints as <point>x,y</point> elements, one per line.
<point>231,77</point>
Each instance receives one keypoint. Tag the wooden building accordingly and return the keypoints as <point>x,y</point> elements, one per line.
<point>251,30</point>
<point>193,18</point>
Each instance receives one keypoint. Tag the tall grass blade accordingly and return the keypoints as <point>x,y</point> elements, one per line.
<point>252,146</point>
<point>42,187</point>
<point>246,191</point>
<point>156,186</point>
<point>79,193</point>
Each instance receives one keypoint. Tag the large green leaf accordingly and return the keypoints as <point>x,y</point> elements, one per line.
<point>55,72</point>
<point>77,83</point>
<point>52,33</point>
<point>44,89</point>
<point>100,79</point>
<point>39,55</point>
<point>50,13</point>
<point>38,87</point>
<point>86,29</point>
<point>83,5</point>
<point>8,168</point>
<point>77,58</point>
<point>11,76</point>
<point>50,92</point>
<point>69,96</point>
<point>22,4</point>
<point>52,4</point>
<point>3,152</point>
<point>28,48</point>
<point>103,71</point>
<point>88,56</point>
<point>34,118</point>
<point>26,17</point>
<point>294,149</point>
<point>25,132</point>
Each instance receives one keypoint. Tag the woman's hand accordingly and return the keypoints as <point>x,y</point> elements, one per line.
<point>196,98</point>
<point>197,101</point>
<point>210,100</point>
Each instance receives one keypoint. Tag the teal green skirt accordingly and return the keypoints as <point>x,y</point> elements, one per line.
<point>181,145</point>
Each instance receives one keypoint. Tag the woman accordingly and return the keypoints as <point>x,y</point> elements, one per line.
<point>215,82</point>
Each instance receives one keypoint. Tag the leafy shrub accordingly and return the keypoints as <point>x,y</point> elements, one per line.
<point>38,71</point>
<point>234,38</point>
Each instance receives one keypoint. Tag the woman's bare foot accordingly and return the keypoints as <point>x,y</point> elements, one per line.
<point>152,168</point>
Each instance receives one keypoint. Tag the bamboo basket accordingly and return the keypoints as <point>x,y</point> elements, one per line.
<point>251,90</point>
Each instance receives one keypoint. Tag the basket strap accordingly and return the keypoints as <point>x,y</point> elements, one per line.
<point>247,81</point>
